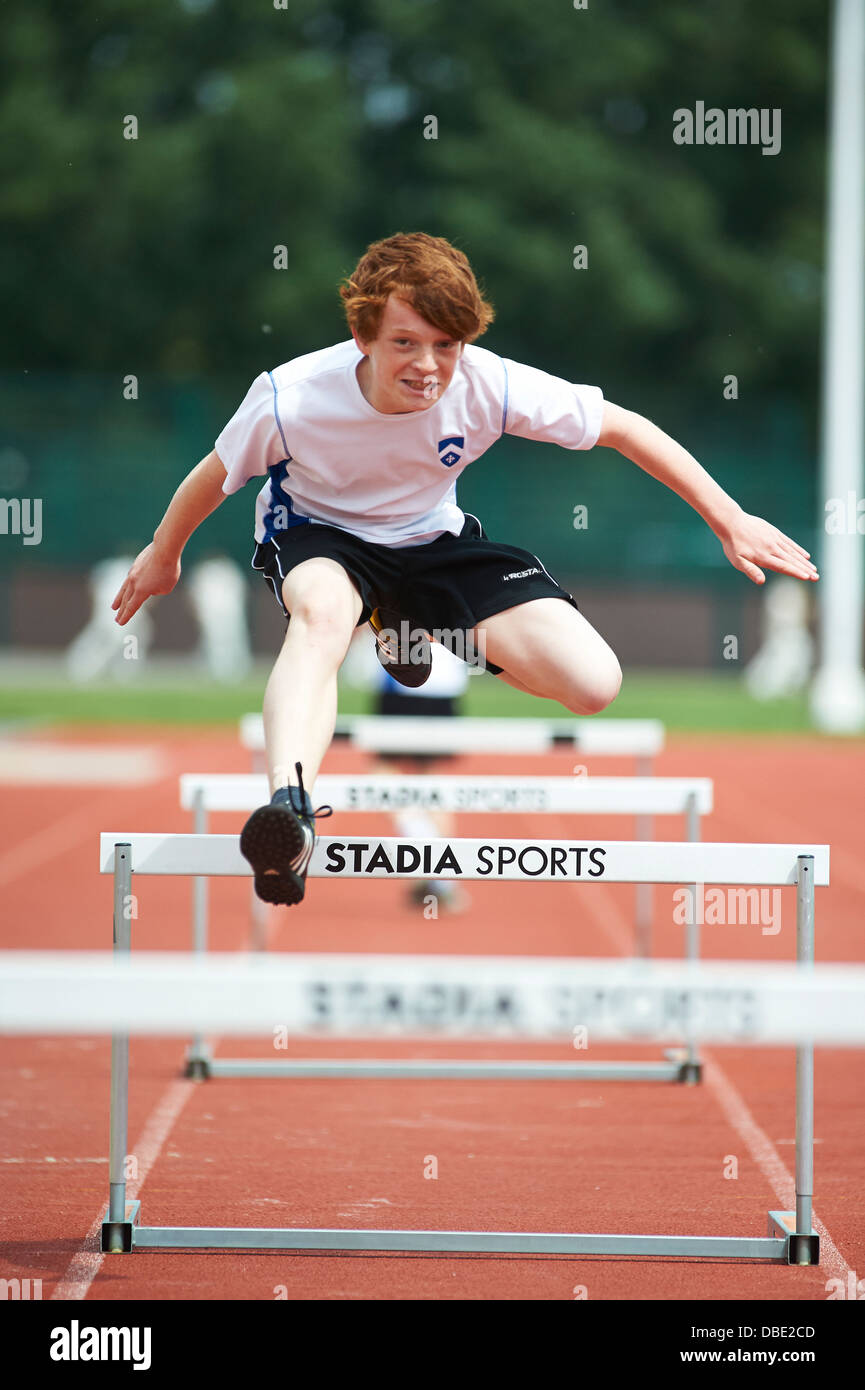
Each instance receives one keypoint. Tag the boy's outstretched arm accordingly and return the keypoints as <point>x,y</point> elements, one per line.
<point>157,569</point>
<point>748,541</point>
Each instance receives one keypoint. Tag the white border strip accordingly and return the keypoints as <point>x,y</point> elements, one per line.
<point>430,997</point>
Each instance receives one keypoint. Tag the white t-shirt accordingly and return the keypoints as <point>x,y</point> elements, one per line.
<point>332,458</point>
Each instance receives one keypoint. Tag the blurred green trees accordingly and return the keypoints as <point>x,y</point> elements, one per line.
<point>304,126</point>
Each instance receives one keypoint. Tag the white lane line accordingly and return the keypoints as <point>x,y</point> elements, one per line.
<point>87,1262</point>
<point>845,866</point>
<point>736,1112</point>
<point>606,914</point>
<point>58,838</point>
<point>601,906</point>
<point>51,763</point>
<point>769,1161</point>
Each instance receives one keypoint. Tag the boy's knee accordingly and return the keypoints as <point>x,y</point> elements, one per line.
<point>323,622</point>
<point>325,604</point>
<point>597,694</point>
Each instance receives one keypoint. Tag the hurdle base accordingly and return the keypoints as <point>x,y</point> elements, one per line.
<point>197,1066</point>
<point>802,1249</point>
<point>438,1070</point>
<point>305,1239</point>
<point>116,1236</point>
<point>689,1070</point>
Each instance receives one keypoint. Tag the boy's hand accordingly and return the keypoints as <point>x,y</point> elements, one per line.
<point>749,541</point>
<point>152,573</point>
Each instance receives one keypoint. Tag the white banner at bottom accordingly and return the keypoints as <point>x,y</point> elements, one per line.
<point>445,997</point>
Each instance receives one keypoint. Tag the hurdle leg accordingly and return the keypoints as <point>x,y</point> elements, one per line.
<point>803,1243</point>
<point>259,917</point>
<point>692,1066</point>
<point>117,1226</point>
<point>804,1249</point>
<point>259,920</point>
<point>643,830</point>
<point>198,1054</point>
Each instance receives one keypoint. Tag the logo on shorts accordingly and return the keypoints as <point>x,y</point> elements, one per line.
<point>453,447</point>
<point>521,574</point>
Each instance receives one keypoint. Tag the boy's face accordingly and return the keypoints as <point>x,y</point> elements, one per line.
<point>408,366</point>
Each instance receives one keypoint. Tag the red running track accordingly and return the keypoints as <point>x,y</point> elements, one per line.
<point>545,1156</point>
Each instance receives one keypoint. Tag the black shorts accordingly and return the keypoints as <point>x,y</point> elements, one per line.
<point>450,584</point>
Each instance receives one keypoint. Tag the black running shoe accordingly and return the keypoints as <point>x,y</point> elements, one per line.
<point>278,841</point>
<point>404,651</point>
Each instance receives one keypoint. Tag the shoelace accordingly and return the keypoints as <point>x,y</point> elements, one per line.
<point>320,811</point>
<point>300,863</point>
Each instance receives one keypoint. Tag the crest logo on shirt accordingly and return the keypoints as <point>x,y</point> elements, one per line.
<point>453,449</point>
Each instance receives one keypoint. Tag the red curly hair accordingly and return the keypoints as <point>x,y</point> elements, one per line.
<point>429,274</point>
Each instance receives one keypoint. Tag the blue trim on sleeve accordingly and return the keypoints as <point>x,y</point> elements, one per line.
<point>276,417</point>
<point>505,406</point>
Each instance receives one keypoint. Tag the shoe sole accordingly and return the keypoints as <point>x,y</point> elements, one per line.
<point>270,839</point>
<point>411,675</point>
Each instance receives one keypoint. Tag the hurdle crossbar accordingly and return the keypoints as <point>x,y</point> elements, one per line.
<point>203,793</point>
<point>494,795</point>
<point>422,735</point>
<point>559,861</point>
<point>791,1235</point>
<point>483,998</point>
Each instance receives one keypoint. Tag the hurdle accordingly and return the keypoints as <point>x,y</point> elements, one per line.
<point>424,736</point>
<point>314,997</point>
<point>689,797</point>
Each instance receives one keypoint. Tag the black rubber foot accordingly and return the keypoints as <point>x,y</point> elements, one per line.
<point>803,1250</point>
<point>690,1073</point>
<point>197,1069</point>
<point>116,1237</point>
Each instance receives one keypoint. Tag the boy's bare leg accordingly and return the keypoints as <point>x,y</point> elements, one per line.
<point>549,649</point>
<point>301,695</point>
<point>518,685</point>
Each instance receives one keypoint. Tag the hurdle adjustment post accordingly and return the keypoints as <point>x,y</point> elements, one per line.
<point>198,1055</point>
<point>116,1229</point>
<point>258,915</point>
<point>804,1243</point>
<point>643,830</point>
<point>692,1067</point>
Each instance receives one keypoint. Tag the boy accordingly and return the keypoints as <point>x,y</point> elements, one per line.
<point>362,444</point>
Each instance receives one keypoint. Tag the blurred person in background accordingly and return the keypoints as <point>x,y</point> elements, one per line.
<point>217,592</point>
<point>217,595</point>
<point>99,652</point>
<point>438,698</point>
<point>783,663</point>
